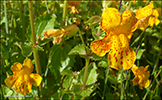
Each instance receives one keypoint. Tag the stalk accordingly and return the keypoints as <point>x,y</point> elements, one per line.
<point>85,74</point>
<point>6,23</point>
<point>80,34</point>
<point>120,5</point>
<point>35,52</point>
<point>22,18</point>
<point>47,6</point>
<point>64,13</point>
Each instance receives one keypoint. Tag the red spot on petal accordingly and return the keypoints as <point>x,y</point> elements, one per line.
<point>121,57</point>
<point>23,86</point>
<point>121,62</point>
<point>116,59</point>
<point>114,54</point>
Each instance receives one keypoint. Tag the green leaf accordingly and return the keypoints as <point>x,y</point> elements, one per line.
<point>79,93</point>
<point>70,30</point>
<point>59,58</point>
<point>94,20</point>
<point>42,24</point>
<point>139,53</point>
<point>67,82</point>
<point>66,72</point>
<point>26,49</point>
<point>91,76</point>
<point>79,49</point>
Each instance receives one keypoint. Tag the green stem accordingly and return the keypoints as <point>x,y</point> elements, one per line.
<point>139,38</point>
<point>35,52</point>
<point>106,78</point>
<point>80,34</point>
<point>22,18</point>
<point>134,92</point>
<point>6,23</point>
<point>122,85</point>
<point>64,13</point>
<point>47,6</point>
<point>130,4</point>
<point>85,74</point>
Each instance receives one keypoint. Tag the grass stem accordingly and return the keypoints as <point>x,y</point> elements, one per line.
<point>35,52</point>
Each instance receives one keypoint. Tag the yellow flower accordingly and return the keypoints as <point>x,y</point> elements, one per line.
<point>119,31</point>
<point>74,5</point>
<point>73,10</point>
<point>141,76</point>
<point>23,78</point>
<point>56,33</point>
<point>147,17</point>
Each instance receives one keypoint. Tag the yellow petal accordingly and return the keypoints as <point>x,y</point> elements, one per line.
<point>23,85</point>
<point>10,81</point>
<point>155,13</point>
<point>52,33</point>
<point>110,19</point>
<point>147,84</point>
<point>143,24</point>
<point>134,69</point>
<point>129,21</point>
<point>151,21</point>
<point>135,80</point>
<point>100,47</point>
<point>35,79</point>
<point>28,63</point>
<point>159,11</point>
<point>57,40</point>
<point>73,10</point>
<point>16,67</point>
<point>121,56</point>
<point>157,21</point>
<point>144,12</point>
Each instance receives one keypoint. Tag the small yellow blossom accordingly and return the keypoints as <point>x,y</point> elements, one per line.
<point>73,5</point>
<point>119,31</point>
<point>23,78</point>
<point>56,33</point>
<point>73,10</point>
<point>147,17</point>
<point>141,76</point>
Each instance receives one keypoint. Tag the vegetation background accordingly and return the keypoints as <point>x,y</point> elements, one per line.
<point>63,65</point>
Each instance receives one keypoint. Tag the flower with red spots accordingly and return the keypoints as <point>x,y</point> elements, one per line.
<point>119,31</point>
<point>23,77</point>
<point>147,17</point>
<point>141,76</point>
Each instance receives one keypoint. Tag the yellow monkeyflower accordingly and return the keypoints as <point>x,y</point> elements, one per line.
<point>141,76</point>
<point>73,10</point>
<point>74,6</point>
<point>56,33</point>
<point>23,78</point>
<point>119,31</point>
<point>147,17</point>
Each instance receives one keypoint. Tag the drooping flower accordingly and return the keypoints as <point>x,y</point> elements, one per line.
<point>119,31</point>
<point>141,76</point>
<point>147,16</point>
<point>56,33</point>
<point>23,78</point>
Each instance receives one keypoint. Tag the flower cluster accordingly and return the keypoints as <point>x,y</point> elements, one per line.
<point>147,17</point>
<point>119,30</point>
<point>23,78</point>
